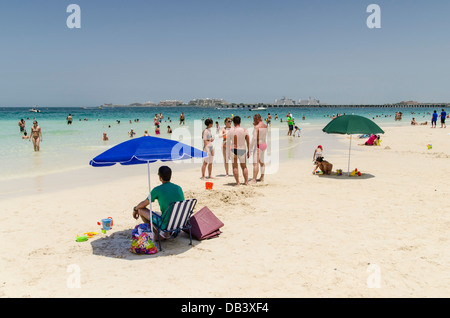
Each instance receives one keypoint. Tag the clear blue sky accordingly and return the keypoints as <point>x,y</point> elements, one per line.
<point>239,50</point>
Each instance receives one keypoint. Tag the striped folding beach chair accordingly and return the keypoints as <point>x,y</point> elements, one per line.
<point>176,217</point>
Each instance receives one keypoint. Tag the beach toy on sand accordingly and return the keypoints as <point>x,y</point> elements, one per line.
<point>112,222</point>
<point>209,185</point>
<point>339,172</point>
<point>90,234</point>
<point>82,238</point>
<point>430,146</point>
<point>106,223</point>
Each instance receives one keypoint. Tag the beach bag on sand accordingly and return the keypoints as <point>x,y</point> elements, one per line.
<point>205,225</point>
<point>141,240</point>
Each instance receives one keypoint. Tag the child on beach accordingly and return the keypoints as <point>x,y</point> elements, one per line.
<point>157,131</point>
<point>297,130</point>
<point>324,166</point>
<point>372,140</point>
<point>169,130</point>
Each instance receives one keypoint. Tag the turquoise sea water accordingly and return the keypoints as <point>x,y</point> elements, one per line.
<point>68,147</point>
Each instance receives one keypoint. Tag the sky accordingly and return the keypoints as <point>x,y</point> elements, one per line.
<point>250,51</point>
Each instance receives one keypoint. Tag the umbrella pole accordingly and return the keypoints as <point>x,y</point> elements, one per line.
<point>349,150</point>
<point>150,197</point>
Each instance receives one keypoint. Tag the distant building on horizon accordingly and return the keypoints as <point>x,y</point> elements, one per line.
<point>207,102</point>
<point>284,102</point>
<point>309,102</point>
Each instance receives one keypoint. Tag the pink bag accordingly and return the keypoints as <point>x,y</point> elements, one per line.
<point>205,224</point>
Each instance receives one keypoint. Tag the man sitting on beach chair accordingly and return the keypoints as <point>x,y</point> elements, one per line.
<point>166,193</point>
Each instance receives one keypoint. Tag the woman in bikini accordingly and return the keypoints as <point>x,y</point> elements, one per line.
<point>223,134</point>
<point>36,135</point>
<point>317,154</point>
<point>258,147</point>
<point>208,148</point>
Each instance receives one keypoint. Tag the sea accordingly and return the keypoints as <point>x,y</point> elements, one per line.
<point>66,148</point>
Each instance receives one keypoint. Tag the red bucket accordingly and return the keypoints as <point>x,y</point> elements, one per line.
<point>209,185</point>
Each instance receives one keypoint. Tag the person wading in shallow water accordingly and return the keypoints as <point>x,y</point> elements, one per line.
<point>36,135</point>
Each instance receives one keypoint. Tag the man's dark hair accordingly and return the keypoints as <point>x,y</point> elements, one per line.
<point>237,120</point>
<point>165,173</point>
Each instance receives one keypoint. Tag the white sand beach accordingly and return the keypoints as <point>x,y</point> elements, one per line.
<point>384,234</point>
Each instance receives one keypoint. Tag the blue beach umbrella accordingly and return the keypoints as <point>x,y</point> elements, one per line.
<point>146,149</point>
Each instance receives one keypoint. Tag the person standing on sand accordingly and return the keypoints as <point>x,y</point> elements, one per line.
<point>317,154</point>
<point>208,147</point>
<point>443,115</point>
<point>434,119</point>
<point>223,134</point>
<point>258,146</point>
<point>238,142</point>
<point>290,122</point>
<point>36,135</point>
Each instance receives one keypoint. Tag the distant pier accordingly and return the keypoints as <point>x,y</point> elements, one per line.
<point>251,106</point>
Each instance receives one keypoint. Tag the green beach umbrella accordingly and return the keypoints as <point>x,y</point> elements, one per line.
<point>350,125</point>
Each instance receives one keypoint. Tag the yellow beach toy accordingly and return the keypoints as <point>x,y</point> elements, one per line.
<point>90,234</point>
